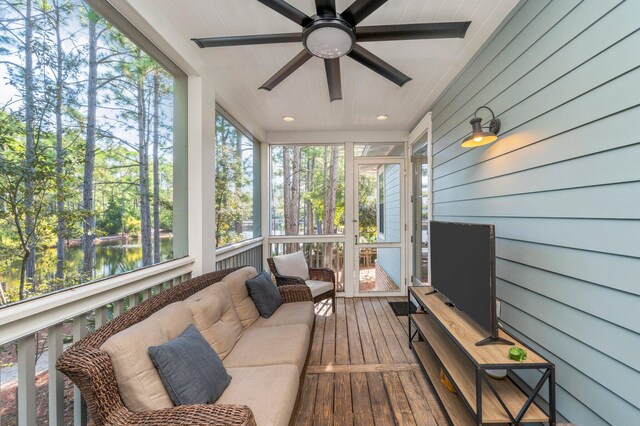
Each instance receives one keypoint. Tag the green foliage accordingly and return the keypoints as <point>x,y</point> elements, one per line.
<point>315,161</point>
<point>367,210</point>
<point>111,219</point>
<point>42,188</point>
<point>234,173</point>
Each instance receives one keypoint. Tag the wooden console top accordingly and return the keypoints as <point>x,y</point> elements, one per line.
<point>466,333</point>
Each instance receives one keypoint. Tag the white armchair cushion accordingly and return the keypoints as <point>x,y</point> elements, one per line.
<point>292,265</point>
<point>319,287</point>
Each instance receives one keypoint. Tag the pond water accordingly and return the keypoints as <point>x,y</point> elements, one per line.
<point>111,258</point>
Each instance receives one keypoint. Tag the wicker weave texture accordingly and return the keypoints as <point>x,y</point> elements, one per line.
<point>321,274</point>
<point>295,293</point>
<point>90,369</point>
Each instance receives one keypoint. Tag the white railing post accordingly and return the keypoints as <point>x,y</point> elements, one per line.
<point>22,322</point>
<point>27,380</point>
<point>56,378</point>
<point>100,317</point>
<point>79,406</point>
<point>133,300</point>
<point>118,307</point>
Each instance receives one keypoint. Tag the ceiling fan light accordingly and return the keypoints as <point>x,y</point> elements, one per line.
<point>329,42</point>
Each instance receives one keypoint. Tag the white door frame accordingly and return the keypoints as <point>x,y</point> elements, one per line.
<point>417,136</point>
<point>401,162</point>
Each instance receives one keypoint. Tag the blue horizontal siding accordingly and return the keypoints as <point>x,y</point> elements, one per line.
<point>389,258</point>
<point>562,186</point>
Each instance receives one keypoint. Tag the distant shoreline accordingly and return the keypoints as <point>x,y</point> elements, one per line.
<point>109,239</point>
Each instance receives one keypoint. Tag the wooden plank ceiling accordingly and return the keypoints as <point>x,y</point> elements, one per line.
<point>242,69</point>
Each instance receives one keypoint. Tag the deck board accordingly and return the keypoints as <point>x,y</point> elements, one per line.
<point>329,344</point>
<point>366,339</point>
<point>356,355</point>
<point>324,401</point>
<point>315,354</point>
<point>361,371</point>
<point>379,341</point>
<point>342,338</point>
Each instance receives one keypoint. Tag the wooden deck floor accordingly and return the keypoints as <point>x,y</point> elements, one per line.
<point>362,372</point>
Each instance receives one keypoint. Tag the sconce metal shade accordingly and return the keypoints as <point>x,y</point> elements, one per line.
<point>478,136</point>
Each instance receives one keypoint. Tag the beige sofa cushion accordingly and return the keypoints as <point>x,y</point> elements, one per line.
<point>139,383</point>
<point>292,265</point>
<point>237,284</point>
<point>270,392</point>
<point>289,314</point>
<point>287,344</point>
<point>216,318</point>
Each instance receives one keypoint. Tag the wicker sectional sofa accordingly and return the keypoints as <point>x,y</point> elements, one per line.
<point>265,357</point>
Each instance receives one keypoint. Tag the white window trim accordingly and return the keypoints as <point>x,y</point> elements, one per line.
<point>424,127</point>
<point>379,222</point>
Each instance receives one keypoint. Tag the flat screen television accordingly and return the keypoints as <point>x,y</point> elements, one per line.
<point>463,269</point>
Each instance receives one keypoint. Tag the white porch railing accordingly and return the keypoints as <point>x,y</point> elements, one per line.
<point>90,304</point>
<point>247,252</point>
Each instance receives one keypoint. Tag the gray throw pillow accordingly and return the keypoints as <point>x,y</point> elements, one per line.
<point>264,293</point>
<point>190,369</point>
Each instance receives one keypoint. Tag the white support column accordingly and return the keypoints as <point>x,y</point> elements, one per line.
<point>79,406</point>
<point>349,217</point>
<point>56,378</point>
<point>27,380</point>
<point>181,167</point>
<point>201,174</point>
<point>265,200</point>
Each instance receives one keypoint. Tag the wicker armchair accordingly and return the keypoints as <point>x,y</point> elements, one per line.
<point>320,274</point>
<point>90,369</point>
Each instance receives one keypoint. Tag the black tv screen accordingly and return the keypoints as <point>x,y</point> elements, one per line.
<point>463,269</point>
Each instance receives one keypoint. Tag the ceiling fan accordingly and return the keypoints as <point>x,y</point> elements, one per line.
<point>330,35</point>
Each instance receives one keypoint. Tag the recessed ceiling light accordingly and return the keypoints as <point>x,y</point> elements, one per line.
<point>288,118</point>
<point>382,117</point>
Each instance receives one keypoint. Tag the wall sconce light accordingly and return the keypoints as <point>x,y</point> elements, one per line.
<point>478,137</point>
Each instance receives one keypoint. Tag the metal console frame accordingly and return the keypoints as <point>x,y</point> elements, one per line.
<point>547,369</point>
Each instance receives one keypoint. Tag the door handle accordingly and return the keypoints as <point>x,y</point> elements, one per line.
<point>356,241</point>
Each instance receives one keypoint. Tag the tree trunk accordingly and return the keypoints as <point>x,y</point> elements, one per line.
<point>88,222</point>
<point>238,184</point>
<point>156,167</point>
<point>30,259</point>
<point>23,267</point>
<point>143,159</point>
<point>291,171</point>
<point>330,202</point>
<point>61,228</point>
<point>311,163</point>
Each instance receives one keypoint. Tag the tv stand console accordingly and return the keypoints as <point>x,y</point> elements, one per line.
<point>446,341</point>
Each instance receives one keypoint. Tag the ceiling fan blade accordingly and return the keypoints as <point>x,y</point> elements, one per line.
<point>360,9</point>
<point>286,71</point>
<point>288,11</point>
<point>332,67</point>
<point>326,7</point>
<point>374,63</point>
<point>412,31</point>
<point>248,39</point>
